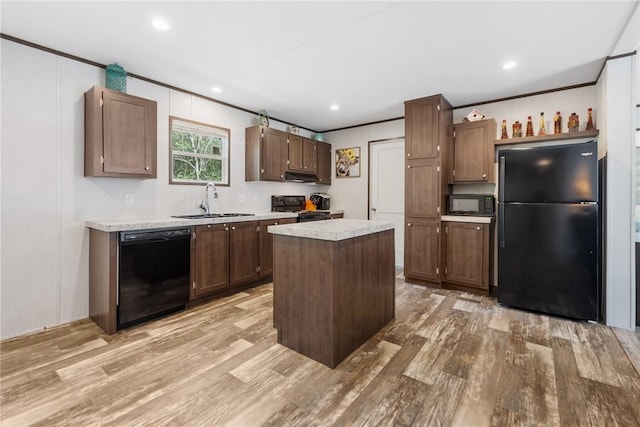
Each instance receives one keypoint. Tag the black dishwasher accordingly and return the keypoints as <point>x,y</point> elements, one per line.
<point>153,275</point>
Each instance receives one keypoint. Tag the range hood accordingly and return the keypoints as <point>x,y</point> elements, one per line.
<point>300,177</point>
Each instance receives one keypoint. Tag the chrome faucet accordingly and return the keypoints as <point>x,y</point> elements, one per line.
<point>204,205</point>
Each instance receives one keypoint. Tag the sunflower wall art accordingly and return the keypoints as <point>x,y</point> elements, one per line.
<point>347,162</point>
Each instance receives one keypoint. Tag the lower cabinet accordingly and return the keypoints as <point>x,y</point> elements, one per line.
<point>422,249</point>
<point>266,244</point>
<point>223,255</point>
<point>244,262</point>
<point>467,254</point>
<point>209,259</point>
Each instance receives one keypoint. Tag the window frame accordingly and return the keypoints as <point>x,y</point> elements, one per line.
<point>172,152</point>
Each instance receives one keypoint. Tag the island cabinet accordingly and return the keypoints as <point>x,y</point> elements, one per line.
<point>120,135</point>
<point>223,256</point>
<point>473,152</point>
<point>266,243</point>
<point>333,285</point>
<point>324,163</point>
<point>428,134</point>
<point>467,251</point>
<point>266,154</point>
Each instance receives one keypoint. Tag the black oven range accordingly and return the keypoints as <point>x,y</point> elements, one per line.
<point>297,204</point>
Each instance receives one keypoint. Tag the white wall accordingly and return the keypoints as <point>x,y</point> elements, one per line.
<point>351,194</point>
<point>46,199</point>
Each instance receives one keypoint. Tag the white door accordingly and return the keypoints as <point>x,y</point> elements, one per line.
<point>386,184</point>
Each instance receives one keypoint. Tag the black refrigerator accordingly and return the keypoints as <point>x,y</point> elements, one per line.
<point>548,230</point>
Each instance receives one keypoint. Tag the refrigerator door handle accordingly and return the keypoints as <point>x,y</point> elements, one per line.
<point>501,172</point>
<point>501,226</point>
<point>501,219</point>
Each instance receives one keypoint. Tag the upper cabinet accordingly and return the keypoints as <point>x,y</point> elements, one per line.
<point>120,135</point>
<point>309,155</point>
<point>422,133</point>
<point>472,154</point>
<point>266,154</point>
<point>270,153</point>
<point>294,162</point>
<point>324,163</point>
<point>303,154</point>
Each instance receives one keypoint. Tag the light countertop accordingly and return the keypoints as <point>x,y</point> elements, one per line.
<point>168,222</point>
<point>336,229</point>
<point>468,218</point>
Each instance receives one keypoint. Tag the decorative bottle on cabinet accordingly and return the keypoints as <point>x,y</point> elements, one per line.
<point>557,123</point>
<point>589,119</point>
<point>504,130</point>
<point>517,130</point>
<point>574,122</point>
<point>529,127</point>
<point>542,129</point>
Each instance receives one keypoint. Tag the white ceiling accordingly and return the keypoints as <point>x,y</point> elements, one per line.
<point>295,59</point>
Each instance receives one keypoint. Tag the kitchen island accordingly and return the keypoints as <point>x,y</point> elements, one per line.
<point>333,285</point>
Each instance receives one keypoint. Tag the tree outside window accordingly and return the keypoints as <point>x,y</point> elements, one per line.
<point>199,152</point>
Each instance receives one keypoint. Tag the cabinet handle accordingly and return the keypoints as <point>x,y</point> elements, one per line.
<point>484,176</point>
<point>408,166</point>
<point>226,229</point>
<point>478,228</point>
<point>233,228</point>
<point>281,176</point>
<point>408,154</point>
<point>147,168</point>
<point>409,225</point>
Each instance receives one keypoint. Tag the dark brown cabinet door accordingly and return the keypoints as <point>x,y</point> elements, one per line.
<point>422,249</point>
<point>266,244</point>
<point>243,252</point>
<point>421,128</point>
<point>210,259</point>
<point>473,156</point>
<point>466,251</point>
<point>120,135</point>
<point>324,163</point>
<point>274,153</point>
<point>422,188</point>
<point>295,153</point>
<point>309,155</point>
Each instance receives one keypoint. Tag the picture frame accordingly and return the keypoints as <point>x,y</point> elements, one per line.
<point>348,162</point>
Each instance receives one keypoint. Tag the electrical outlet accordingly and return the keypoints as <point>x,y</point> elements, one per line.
<point>128,198</point>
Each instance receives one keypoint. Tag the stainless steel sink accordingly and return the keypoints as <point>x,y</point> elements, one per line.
<point>212,215</point>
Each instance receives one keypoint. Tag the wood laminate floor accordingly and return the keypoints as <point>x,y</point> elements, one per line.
<point>449,358</point>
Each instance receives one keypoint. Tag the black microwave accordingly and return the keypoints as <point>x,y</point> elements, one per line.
<point>471,204</point>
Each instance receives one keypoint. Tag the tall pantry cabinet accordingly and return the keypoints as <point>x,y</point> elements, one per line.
<point>428,132</point>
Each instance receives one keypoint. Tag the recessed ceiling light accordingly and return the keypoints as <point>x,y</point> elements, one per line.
<point>335,107</point>
<point>216,89</point>
<point>160,24</point>
<point>509,65</point>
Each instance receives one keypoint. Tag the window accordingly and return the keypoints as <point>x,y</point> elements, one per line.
<point>199,152</point>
